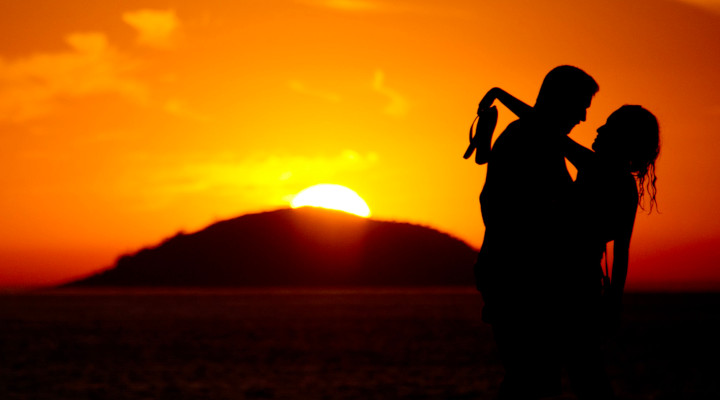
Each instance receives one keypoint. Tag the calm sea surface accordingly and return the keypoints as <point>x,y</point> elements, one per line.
<point>317,344</point>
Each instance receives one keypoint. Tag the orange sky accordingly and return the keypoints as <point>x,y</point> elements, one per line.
<point>124,123</point>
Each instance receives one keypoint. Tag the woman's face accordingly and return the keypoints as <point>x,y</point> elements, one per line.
<point>627,136</point>
<point>609,140</point>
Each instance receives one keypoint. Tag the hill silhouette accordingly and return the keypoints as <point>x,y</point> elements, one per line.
<point>297,247</point>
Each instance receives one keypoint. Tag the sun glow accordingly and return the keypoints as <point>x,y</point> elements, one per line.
<point>334,197</point>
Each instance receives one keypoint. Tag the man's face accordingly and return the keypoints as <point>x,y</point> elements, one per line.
<point>572,113</point>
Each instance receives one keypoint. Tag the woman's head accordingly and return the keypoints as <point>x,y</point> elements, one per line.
<point>631,136</point>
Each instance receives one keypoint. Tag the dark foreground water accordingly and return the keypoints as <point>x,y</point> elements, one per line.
<point>318,344</point>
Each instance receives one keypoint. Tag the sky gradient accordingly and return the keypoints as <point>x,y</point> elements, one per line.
<point>126,122</point>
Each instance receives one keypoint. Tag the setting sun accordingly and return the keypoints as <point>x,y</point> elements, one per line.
<point>335,197</point>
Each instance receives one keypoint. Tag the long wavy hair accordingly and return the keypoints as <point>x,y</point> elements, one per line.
<point>642,150</point>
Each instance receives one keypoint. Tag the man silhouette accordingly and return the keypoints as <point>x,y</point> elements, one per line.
<point>520,266</point>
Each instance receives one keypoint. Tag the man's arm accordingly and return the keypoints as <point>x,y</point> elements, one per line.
<point>580,156</point>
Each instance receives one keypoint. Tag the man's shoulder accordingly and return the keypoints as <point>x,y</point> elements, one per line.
<point>520,132</point>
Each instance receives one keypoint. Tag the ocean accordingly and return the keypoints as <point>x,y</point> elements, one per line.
<point>419,343</point>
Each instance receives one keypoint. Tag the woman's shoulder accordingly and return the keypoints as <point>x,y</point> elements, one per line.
<point>630,186</point>
<point>607,179</point>
<point>624,189</point>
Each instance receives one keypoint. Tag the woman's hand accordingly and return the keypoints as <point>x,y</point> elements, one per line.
<point>488,100</point>
<point>517,106</point>
<point>611,310</point>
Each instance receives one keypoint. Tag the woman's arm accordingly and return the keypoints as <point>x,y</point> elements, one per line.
<point>517,106</point>
<point>621,250</point>
<point>621,255</point>
<point>577,154</point>
<point>487,120</point>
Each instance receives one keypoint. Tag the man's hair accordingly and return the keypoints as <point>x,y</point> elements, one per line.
<point>566,83</point>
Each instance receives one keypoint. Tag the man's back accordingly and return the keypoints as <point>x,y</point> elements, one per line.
<point>527,179</point>
<point>521,204</point>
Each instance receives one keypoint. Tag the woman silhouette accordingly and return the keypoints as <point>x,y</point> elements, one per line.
<point>612,182</point>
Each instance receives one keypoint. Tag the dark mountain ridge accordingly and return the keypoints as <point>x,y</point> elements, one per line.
<point>296,247</point>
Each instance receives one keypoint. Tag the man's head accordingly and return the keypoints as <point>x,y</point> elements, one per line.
<point>565,96</point>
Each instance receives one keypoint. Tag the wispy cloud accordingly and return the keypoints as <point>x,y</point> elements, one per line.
<point>180,108</point>
<point>710,5</point>
<point>435,9</point>
<point>301,88</point>
<point>397,105</point>
<point>31,86</point>
<point>345,5</point>
<point>155,28</point>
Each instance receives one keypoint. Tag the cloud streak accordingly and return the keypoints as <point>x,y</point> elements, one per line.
<point>709,5</point>
<point>345,5</point>
<point>155,28</point>
<point>301,88</point>
<point>397,105</point>
<point>268,177</point>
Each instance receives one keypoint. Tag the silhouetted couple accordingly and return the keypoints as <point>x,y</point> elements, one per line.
<point>539,269</point>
